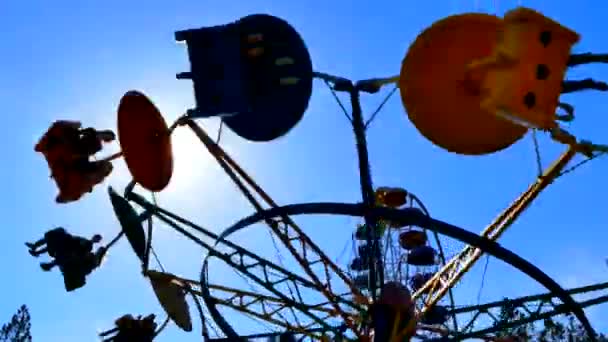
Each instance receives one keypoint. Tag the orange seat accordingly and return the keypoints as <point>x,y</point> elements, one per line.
<point>436,96</point>
<point>60,132</point>
<point>474,83</point>
<point>73,184</point>
<point>59,145</point>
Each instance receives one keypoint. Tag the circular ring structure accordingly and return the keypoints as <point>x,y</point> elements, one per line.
<point>441,100</point>
<point>145,141</point>
<point>414,217</point>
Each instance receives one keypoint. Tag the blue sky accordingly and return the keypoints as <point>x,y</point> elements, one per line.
<point>75,59</point>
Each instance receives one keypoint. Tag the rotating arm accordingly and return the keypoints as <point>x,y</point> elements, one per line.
<point>454,269</point>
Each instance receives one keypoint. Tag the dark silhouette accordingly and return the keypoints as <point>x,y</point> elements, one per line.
<point>564,328</point>
<point>130,329</point>
<point>68,149</point>
<point>284,337</point>
<point>18,329</point>
<point>72,254</point>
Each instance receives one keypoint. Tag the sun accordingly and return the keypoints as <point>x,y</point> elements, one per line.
<point>191,162</point>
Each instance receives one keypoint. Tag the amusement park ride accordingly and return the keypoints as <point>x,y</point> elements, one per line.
<point>503,78</point>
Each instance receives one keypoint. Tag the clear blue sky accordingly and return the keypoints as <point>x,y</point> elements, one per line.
<point>74,60</point>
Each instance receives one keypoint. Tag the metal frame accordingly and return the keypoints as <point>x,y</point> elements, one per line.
<point>307,253</point>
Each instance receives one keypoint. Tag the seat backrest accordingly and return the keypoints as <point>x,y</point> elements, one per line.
<point>524,80</point>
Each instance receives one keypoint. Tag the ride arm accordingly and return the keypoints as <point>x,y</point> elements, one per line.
<point>454,269</point>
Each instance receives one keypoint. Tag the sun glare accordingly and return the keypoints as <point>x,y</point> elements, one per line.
<point>191,162</point>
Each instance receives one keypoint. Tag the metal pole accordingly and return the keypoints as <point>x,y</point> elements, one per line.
<point>376,274</point>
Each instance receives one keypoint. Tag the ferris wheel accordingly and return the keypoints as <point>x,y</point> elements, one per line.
<point>504,79</point>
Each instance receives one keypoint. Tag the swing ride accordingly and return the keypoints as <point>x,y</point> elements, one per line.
<point>504,78</point>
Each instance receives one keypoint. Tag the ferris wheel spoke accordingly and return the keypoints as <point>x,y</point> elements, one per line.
<point>458,266</point>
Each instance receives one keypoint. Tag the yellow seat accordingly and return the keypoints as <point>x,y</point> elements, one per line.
<point>522,79</point>
<point>391,196</point>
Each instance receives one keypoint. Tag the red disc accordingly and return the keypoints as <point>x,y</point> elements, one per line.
<point>434,91</point>
<point>145,141</point>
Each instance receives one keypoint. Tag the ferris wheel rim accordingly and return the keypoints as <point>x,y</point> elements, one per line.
<point>358,209</point>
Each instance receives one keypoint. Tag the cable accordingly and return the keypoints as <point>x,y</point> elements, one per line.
<point>157,260</point>
<point>152,248</point>
<point>278,255</point>
<point>333,92</point>
<point>576,166</point>
<point>539,163</point>
<point>384,101</point>
<point>483,278</point>
<point>343,252</point>
<point>219,132</point>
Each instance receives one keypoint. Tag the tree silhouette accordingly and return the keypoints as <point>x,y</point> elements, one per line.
<point>18,329</point>
<point>566,328</point>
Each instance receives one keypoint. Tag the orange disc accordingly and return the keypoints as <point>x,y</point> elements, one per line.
<point>434,93</point>
<point>145,141</point>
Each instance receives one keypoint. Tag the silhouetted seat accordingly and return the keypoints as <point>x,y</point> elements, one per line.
<point>130,329</point>
<point>72,254</point>
<point>67,149</point>
<point>359,265</point>
<point>77,267</point>
<point>435,315</point>
<point>412,238</point>
<point>419,279</point>
<point>422,256</point>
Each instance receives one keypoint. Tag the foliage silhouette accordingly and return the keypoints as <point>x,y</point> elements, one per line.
<point>18,329</point>
<point>563,328</point>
